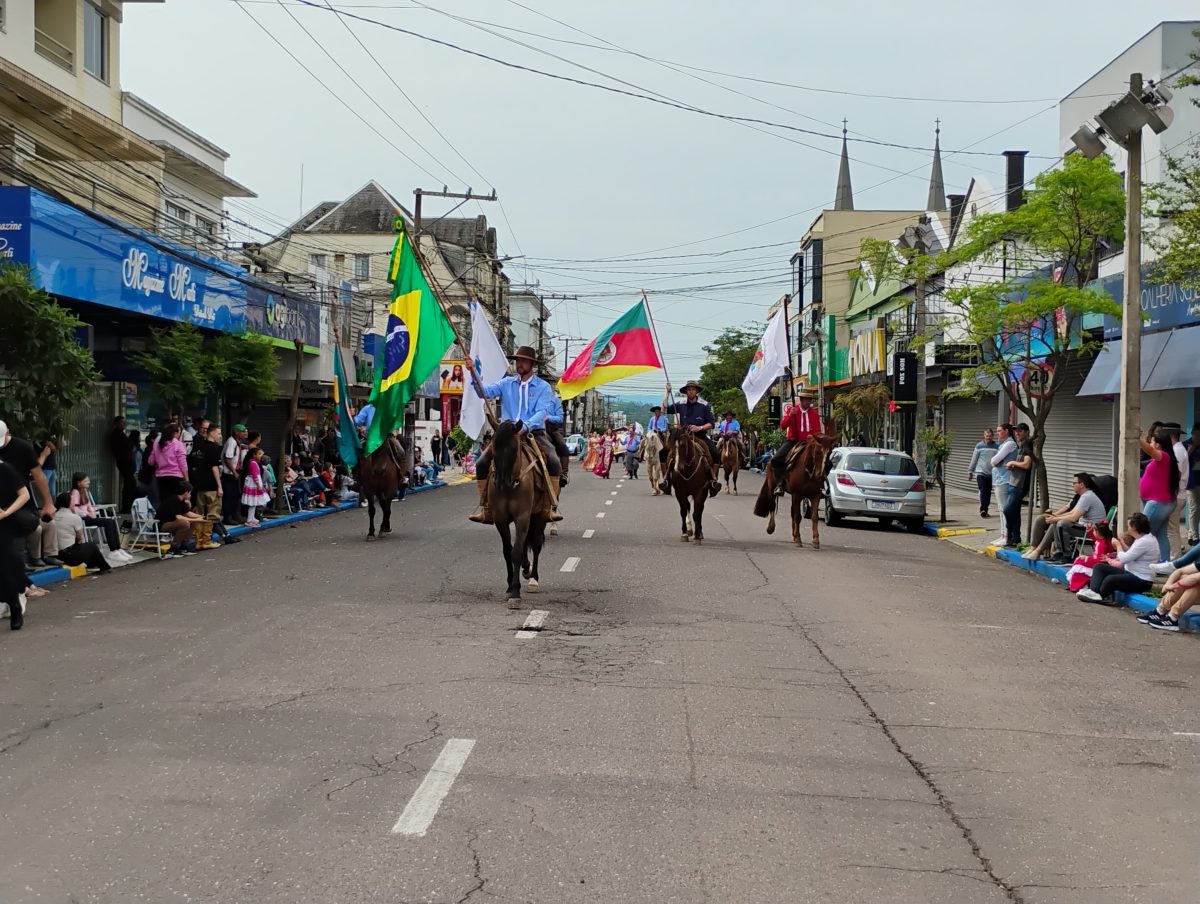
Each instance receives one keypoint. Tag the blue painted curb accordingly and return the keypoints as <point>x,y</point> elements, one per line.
<point>1138,602</point>
<point>59,575</point>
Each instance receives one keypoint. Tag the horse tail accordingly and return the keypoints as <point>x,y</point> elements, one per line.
<point>766,499</point>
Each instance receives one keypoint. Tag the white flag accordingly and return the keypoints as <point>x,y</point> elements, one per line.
<point>490,363</point>
<point>770,360</point>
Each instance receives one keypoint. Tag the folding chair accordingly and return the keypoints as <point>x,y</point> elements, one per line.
<point>146,533</point>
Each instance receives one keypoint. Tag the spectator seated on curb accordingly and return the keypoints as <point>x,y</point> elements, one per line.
<point>345,491</point>
<point>175,517</point>
<point>1128,571</point>
<point>1190,557</point>
<point>297,493</point>
<point>1079,575</point>
<point>73,548</point>
<point>41,546</point>
<point>1180,593</point>
<point>1069,523</point>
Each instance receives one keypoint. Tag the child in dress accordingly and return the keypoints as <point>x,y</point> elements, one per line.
<point>1080,573</point>
<point>254,489</point>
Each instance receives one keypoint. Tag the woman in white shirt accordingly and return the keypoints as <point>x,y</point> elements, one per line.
<point>1129,570</point>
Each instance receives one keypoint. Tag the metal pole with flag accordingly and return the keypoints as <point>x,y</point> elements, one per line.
<point>627,347</point>
<point>491,364</point>
<point>770,360</point>
<point>348,445</point>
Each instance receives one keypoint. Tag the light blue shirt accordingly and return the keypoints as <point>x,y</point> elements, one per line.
<point>658,422</point>
<point>363,418</point>
<point>531,402</point>
<point>731,426</point>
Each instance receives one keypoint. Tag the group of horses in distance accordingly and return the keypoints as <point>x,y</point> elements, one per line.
<point>517,490</point>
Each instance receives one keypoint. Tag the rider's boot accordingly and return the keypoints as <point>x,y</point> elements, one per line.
<point>549,511</point>
<point>714,485</point>
<point>564,462</point>
<point>483,514</point>
<point>780,479</point>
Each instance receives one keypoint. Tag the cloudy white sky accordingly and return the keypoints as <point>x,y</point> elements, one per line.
<point>586,174</point>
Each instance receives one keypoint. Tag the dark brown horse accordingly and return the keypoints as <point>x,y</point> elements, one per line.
<point>516,495</point>
<point>380,475</point>
<point>805,480</point>
<point>690,477</point>
<point>731,461</point>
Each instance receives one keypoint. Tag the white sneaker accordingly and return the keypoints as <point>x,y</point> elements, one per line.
<point>1163,567</point>
<point>1088,595</point>
<point>999,541</point>
<point>1031,554</point>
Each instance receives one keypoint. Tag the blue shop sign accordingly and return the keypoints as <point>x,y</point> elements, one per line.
<point>1164,305</point>
<point>77,255</point>
<point>275,313</point>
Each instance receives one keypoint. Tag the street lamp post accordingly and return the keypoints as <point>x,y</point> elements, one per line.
<point>1122,121</point>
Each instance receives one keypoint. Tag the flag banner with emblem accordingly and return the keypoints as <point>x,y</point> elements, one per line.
<point>626,348</point>
<point>491,365</point>
<point>414,341</point>
<point>347,434</point>
<point>769,361</point>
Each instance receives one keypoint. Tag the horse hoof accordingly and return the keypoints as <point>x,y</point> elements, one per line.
<point>554,530</point>
<point>514,602</point>
<point>770,529</point>
<point>686,538</point>
<point>698,541</point>
<point>384,530</point>
<point>533,586</point>
<point>370,537</point>
<point>816,545</point>
<point>525,573</point>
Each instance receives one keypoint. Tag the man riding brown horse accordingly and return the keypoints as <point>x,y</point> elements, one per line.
<point>527,399</point>
<point>696,417</point>
<point>800,424</point>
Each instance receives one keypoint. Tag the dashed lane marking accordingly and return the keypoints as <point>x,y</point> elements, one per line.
<point>571,564</point>
<point>534,622</point>
<point>608,502</point>
<point>426,800</point>
<point>588,534</point>
<point>613,493</point>
<point>599,514</point>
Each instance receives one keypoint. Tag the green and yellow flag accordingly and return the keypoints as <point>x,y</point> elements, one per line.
<point>414,342</point>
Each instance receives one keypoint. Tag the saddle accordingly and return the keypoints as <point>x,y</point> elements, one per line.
<point>798,450</point>
<point>530,458</point>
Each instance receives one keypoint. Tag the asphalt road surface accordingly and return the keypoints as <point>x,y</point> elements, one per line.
<point>306,717</point>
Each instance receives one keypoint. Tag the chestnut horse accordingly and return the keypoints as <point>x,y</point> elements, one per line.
<point>516,490</point>
<point>380,476</point>
<point>731,461</point>
<point>690,477</point>
<point>805,481</point>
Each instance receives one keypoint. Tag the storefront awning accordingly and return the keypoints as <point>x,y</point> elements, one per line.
<point>1168,362</point>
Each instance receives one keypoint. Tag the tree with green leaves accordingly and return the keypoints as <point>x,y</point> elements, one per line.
<point>864,410</point>
<point>937,444</point>
<point>1025,328</point>
<point>729,357</point>
<point>242,368</point>
<point>1175,202</point>
<point>177,365</point>
<point>44,371</point>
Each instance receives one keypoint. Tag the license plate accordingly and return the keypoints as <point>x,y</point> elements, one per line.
<point>878,506</point>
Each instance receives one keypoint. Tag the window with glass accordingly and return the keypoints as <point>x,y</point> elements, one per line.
<point>362,266</point>
<point>813,262</point>
<point>176,221</point>
<point>95,42</point>
<point>317,260</point>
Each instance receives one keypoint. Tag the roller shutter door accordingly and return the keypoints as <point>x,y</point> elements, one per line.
<point>1079,435</point>
<point>967,419</point>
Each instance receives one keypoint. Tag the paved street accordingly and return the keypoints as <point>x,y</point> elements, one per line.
<point>887,719</point>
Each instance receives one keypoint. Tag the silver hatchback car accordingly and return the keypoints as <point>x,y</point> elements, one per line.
<point>874,483</point>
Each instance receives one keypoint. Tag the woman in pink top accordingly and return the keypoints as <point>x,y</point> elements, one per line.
<point>84,506</point>
<point>1159,487</point>
<point>169,459</point>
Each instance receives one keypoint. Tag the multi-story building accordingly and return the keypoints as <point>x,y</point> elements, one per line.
<point>463,259</point>
<point>529,319</point>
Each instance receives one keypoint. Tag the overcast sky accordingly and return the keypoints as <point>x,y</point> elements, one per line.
<point>584,173</point>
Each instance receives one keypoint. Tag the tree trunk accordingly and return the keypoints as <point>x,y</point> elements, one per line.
<point>941,479</point>
<point>293,410</point>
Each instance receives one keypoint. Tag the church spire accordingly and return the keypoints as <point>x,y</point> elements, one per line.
<point>843,198</point>
<point>937,185</point>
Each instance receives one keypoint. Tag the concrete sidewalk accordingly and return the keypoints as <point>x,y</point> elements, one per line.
<point>965,528</point>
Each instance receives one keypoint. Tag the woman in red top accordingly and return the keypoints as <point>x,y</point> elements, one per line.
<point>1159,487</point>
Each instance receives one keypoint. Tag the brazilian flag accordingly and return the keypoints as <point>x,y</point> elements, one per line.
<point>416,338</point>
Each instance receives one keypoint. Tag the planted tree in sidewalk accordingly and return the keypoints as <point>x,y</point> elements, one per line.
<point>44,371</point>
<point>863,410</point>
<point>936,443</point>
<point>242,369</point>
<point>1023,331</point>
<point>721,375</point>
<point>177,366</point>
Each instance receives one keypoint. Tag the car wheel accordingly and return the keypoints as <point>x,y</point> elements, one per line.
<point>832,517</point>
<point>886,522</point>
<point>915,525</point>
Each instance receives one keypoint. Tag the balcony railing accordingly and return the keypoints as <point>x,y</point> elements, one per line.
<point>54,50</point>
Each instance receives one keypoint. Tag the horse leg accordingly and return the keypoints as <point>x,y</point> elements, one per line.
<point>385,506</point>
<point>698,515</point>
<point>517,557</point>
<point>684,531</point>
<point>797,519</point>
<point>506,545</point>
<point>813,505</point>
<point>371,515</point>
<point>735,474</point>
<point>537,537</point>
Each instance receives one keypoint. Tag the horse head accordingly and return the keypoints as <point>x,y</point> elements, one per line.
<point>505,444</point>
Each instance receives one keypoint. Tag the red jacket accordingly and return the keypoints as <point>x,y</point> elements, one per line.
<point>801,423</point>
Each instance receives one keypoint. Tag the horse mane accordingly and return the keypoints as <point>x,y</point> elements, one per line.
<point>504,452</point>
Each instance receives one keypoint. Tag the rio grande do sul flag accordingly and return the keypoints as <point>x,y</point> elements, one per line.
<point>626,348</point>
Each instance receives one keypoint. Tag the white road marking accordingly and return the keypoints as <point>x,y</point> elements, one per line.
<point>599,514</point>
<point>613,493</point>
<point>534,622</point>
<point>1187,734</point>
<point>588,534</point>
<point>608,502</point>
<point>571,564</point>
<point>426,800</point>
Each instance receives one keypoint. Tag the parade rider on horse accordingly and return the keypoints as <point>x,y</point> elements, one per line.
<point>524,397</point>
<point>695,416</point>
<point>730,429</point>
<point>800,423</point>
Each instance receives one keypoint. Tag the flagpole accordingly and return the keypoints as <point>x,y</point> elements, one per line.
<point>787,332</point>
<point>658,348</point>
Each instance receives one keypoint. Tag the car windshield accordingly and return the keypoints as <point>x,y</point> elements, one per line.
<point>880,463</point>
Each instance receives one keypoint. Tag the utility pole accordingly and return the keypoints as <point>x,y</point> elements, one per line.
<point>922,412</point>
<point>420,193</point>
<point>1130,423</point>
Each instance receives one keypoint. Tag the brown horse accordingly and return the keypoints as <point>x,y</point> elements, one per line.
<point>805,481</point>
<point>731,461</point>
<point>380,476</point>
<point>516,495</point>
<point>690,477</point>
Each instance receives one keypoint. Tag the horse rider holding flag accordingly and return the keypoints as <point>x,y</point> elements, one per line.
<point>695,416</point>
<point>524,397</point>
<point>799,423</point>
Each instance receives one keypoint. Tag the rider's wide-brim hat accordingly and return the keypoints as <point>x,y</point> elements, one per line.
<point>806,393</point>
<point>656,407</point>
<point>690,384</point>
<point>525,351</point>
